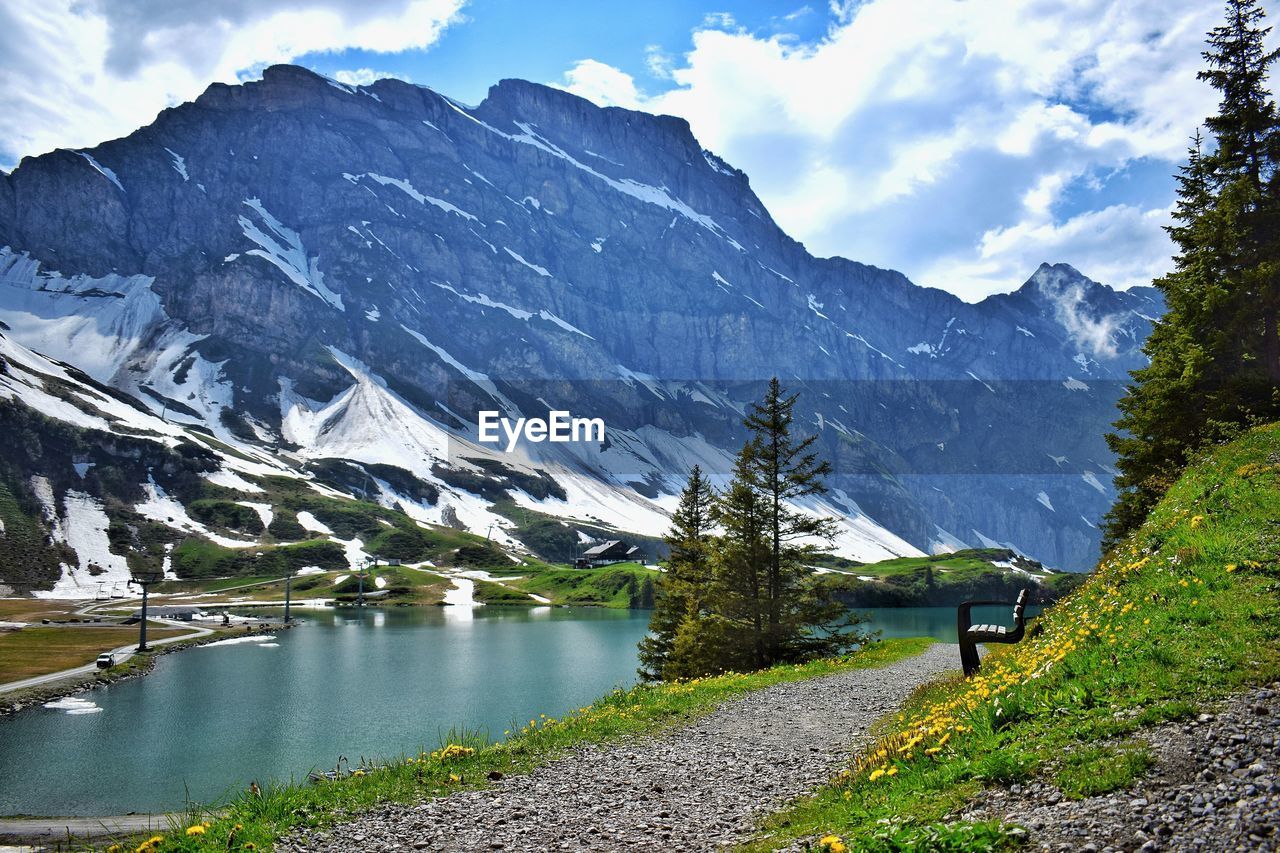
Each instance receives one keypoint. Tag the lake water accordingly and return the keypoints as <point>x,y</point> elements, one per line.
<point>375,683</point>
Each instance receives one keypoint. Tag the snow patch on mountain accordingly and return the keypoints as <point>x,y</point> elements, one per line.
<point>1092,481</point>
<point>365,423</point>
<point>264,511</point>
<point>82,526</point>
<point>480,379</point>
<point>542,271</point>
<point>410,190</point>
<point>158,506</point>
<point>519,313</point>
<point>286,253</point>
<point>179,164</point>
<point>647,193</point>
<point>102,170</point>
<point>114,329</point>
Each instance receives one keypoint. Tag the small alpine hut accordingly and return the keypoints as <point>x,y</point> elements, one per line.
<point>607,553</point>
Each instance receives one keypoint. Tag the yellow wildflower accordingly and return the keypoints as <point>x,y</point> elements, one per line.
<point>195,830</point>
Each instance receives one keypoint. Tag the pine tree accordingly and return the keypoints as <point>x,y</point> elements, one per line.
<point>738,599</point>
<point>1215,355</point>
<point>785,470</point>
<point>687,574</point>
<point>758,603</point>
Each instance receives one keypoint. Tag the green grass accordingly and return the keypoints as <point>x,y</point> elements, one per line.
<point>195,557</point>
<point>639,710</point>
<point>963,563</point>
<point>942,580</point>
<point>30,652</point>
<point>623,585</point>
<point>404,586</point>
<point>491,593</point>
<point>1181,614</point>
<point>210,584</point>
<point>1092,770</point>
<point>894,836</point>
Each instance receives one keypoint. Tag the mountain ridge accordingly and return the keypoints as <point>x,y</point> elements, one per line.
<point>251,246</point>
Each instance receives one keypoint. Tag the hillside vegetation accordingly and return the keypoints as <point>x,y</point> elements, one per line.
<point>1181,612</point>
<point>622,585</point>
<point>944,580</point>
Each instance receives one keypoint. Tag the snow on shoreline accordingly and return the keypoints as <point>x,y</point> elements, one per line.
<point>266,639</point>
<point>462,593</point>
<point>73,705</point>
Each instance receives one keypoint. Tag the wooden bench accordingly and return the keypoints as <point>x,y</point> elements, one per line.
<point>971,635</point>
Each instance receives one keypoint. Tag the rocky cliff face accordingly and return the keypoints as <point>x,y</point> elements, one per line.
<point>323,271</point>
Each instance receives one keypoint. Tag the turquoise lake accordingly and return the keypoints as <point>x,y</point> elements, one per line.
<point>374,683</point>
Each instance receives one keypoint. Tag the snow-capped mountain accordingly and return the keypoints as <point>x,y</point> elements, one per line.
<point>302,271</point>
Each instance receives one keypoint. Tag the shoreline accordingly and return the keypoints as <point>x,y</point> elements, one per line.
<point>137,666</point>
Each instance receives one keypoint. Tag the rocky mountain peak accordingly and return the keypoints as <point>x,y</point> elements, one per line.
<point>250,258</point>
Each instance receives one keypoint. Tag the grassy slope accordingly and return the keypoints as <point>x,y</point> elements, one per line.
<point>404,586</point>
<point>286,546</point>
<point>962,563</point>
<point>639,710</point>
<point>1183,612</point>
<point>621,585</point>
<point>942,580</point>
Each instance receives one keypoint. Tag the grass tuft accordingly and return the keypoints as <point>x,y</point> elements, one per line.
<point>1093,770</point>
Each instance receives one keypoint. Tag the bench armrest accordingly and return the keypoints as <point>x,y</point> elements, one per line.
<point>963,622</point>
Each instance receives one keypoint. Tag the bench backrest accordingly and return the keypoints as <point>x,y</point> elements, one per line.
<point>1020,607</point>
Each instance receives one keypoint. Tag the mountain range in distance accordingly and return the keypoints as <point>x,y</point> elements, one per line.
<point>296,286</point>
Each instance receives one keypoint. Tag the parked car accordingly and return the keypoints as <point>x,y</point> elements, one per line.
<point>106,660</point>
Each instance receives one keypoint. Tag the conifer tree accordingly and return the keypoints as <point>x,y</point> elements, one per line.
<point>758,603</point>
<point>1215,355</point>
<point>783,470</point>
<point>679,589</point>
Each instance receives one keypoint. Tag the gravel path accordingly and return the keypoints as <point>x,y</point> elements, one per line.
<point>1214,788</point>
<point>695,788</point>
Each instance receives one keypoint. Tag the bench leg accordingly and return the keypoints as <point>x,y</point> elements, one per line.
<point>969,659</point>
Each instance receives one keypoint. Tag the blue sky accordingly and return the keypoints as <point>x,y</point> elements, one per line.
<point>539,39</point>
<point>960,142</point>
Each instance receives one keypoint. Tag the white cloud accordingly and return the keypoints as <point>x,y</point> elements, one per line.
<point>658,62</point>
<point>77,72</point>
<point>962,143</point>
<point>603,84</point>
<point>365,76</point>
<point>723,20</point>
